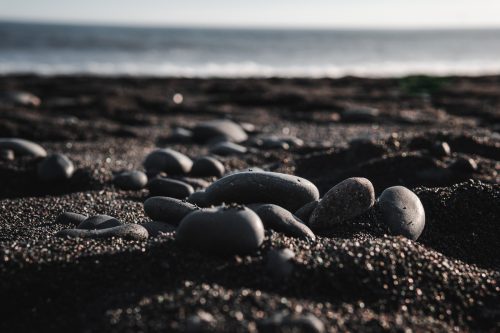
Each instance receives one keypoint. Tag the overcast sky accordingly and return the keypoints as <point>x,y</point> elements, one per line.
<point>261,13</point>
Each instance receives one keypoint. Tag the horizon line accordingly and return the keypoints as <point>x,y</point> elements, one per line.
<point>157,25</point>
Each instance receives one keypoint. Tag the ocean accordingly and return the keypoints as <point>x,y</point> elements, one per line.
<point>49,49</point>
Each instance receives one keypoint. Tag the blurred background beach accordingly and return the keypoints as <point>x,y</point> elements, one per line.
<point>236,39</point>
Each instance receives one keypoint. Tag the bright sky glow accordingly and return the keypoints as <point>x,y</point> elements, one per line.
<point>262,13</point>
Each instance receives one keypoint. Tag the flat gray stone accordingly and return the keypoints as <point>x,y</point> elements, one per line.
<point>169,161</point>
<point>155,228</point>
<point>168,210</point>
<point>402,211</point>
<point>346,200</point>
<point>125,231</point>
<point>99,222</point>
<point>131,180</point>
<point>227,148</point>
<point>222,230</point>
<point>287,191</point>
<point>215,129</point>
<point>70,218</point>
<point>170,188</point>
<point>56,167</point>
<point>207,166</point>
<point>23,147</point>
<point>281,220</point>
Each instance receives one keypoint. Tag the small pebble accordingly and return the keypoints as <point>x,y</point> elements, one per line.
<point>227,148</point>
<point>402,211</point>
<point>464,165</point>
<point>168,210</point>
<point>181,135</point>
<point>304,212</point>
<point>125,231</point>
<point>70,218</point>
<point>222,230</point>
<point>99,222</point>
<point>169,188</point>
<point>169,161</point>
<point>56,167</point>
<point>279,263</point>
<point>288,191</point>
<point>23,147</point>
<point>215,129</point>
<point>196,183</point>
<point>346,200</point>
<point>441,149</point>
<point>155,228</point>
<point>281,220</point>
<point>21,98</point>
<point>360,114</point>
<point>207,166</point>
<point>7,155</point>
<point>131,180</point>
<point>281,323</point>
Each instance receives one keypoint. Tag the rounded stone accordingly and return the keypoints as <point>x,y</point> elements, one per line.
<point>281,220</point>
<point>440,149</point>
<point>346,200</point>
<point>207,166</point>
<point>181,135</point>
<point>7,155</point>
<point>279,263</point>
<point>125,231</point>
<point>222,230</point>
<point>99,222</point>
<point>155,228</point>
<point>199,199</point>
<point>170,188</point>
<point>131,180</point>
<point>70,218</point>
<point>56,167</point>
<point>169,161</point>
<point>227,148</point>
<point>402,211</point>
<point>304,212</point>
<point>221,128</point>
<point>287,191</point>
<point>196,183</point>
<point>23,147</point>
<point>464,165</point>
<point>168,210</point>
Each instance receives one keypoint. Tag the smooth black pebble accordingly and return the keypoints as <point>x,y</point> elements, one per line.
<point>56,167</point>
<point>279,264</point>
<point>168,210</point>
<point>207,166</point>
<point>170,188</point>
<point>99,222</point>
<point>155,228</point>
<point>169,161</point>
<point>131,180</point>
<point>125,231</point>
<point>281,220</point>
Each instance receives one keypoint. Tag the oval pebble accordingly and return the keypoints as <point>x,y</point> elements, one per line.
<point>227,148</point>
<point>169,161</point>
<point>125,231</point>
<point>222,230</point>
<point>287,191</point>
<point>304,212</point>
<point>196,183</point>
<point>168,210</point>
<point>7,155</point>
<point>346,200</point>
<point>155,228</point>
<point>279,263</point>
<point>70,218</point>
<point>180,135</point>
<point>169,188</point>
<point>440,149</point>
<point>220,128</point>
<point>199,199</point>
<point>99,222</point>
<point>131,180</point>
<point>207,166</point>
<point>402,211</point>
<point>56,167</point>
<point>23,147</point>
<point>281,322</point>
<point>464,165</point>
<point>281,220</point>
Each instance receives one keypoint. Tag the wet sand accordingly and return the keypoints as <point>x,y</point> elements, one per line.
<point>356,277</point>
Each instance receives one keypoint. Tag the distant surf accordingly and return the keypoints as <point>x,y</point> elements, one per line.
<point>58,49</point>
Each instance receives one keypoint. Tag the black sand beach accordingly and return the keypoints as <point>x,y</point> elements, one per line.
<point>355,277</point>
